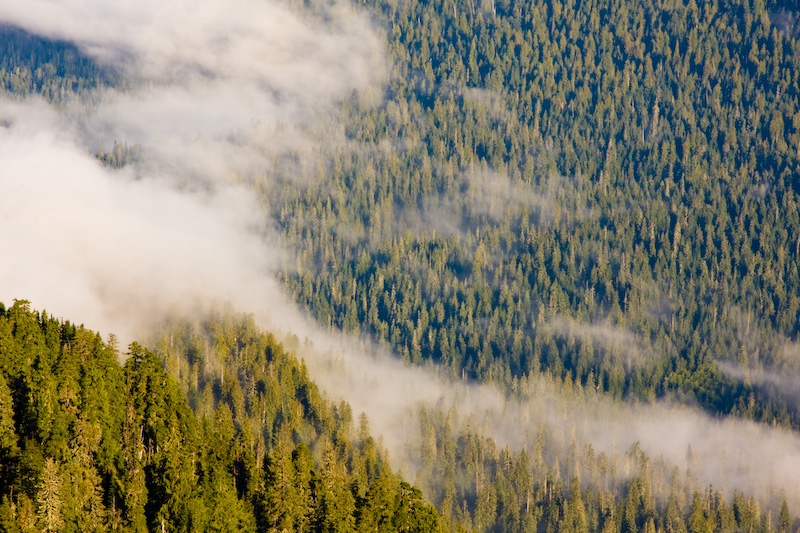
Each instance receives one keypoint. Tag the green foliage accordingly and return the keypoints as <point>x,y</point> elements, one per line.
<point>477,485</point>
<point>56,70</point>
<point>92,446</point>
<point>297,458</point>
<point>393,505</point>
<point>625,165</point>
<point>541,180</point>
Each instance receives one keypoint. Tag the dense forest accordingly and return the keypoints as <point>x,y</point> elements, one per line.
<point>55,70</point>
<point>627,165</point>
<point>89,445</point>
<point>475,484</point>
<point>602,194</point>
<point>224,431</point>
<point>540,174</point>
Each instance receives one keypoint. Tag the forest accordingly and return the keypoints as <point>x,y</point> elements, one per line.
<point>600,194</point>
<point>89,445</point>
<point>224,431</point>
<point>627,165</point>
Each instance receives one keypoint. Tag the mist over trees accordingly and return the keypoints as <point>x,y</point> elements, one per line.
<point>600,194</point>
<point>643,158</point>
<point>224,431</point>
<point>56,70</point>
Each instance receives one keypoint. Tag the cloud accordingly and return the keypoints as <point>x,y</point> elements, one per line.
<point>785,21</point>
<point>554,199</point>
<point>327,50</point>
<point>773,373</point>
<point>235,82</point>
<point>213,90</point>
<point>727,453</point>
<point>487,196</point>
<point>108,247</point>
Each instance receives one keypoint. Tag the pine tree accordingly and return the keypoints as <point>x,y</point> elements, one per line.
<point>8,434</point>
<point>50,497</point>
<point>335,503</point>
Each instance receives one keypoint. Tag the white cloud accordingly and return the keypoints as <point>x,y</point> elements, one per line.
<point>107,247</point>
<point>213,90</point>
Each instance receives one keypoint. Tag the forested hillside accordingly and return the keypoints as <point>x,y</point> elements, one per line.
<point>56,70</point>
<point>89,445</point>
<point>475,484</point>
<point>546,179</point>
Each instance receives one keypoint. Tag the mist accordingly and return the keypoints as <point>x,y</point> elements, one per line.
<point>773,369</point>
<point>108,248</point>
<point>615,341</point>
<point>726,453</point>
<point>213,91</point>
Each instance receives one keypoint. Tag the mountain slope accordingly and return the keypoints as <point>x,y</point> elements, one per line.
<point>605,191</point>
<point>89,445</point>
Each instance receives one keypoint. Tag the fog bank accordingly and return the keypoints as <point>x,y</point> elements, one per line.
<point>213,90</point>
<point>726,453</point>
